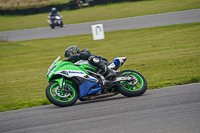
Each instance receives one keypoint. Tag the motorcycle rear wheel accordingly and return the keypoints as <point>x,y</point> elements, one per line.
<point>61,24</point>
<point>133,88</point>
<point>55,95</point>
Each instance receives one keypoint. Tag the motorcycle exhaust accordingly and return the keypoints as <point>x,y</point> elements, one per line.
<point>100,96</point>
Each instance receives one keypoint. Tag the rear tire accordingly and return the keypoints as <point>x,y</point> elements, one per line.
<point>134,88</point>
<point>61,24</point>
<point>55,95</point>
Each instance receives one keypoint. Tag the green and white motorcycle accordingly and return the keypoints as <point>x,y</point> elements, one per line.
<point>69,82</point>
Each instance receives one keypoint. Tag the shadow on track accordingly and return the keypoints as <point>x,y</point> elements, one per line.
<point>78,103</point>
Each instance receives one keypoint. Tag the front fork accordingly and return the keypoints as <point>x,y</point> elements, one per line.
<point>62,84</point>
<point>64,88</point>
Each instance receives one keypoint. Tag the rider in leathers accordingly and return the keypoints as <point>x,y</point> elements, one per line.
<point>52,14</point>
<point>75,54</point>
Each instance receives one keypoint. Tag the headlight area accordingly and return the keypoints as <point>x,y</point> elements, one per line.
<point>51,71</point>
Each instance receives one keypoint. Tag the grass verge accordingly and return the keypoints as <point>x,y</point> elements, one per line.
<point>103,12</point>
<point>166,56</point>
<point>24,4</point>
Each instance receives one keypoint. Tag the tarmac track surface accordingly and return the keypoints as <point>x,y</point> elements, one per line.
<point>163,19</point>
<point>166,110</point>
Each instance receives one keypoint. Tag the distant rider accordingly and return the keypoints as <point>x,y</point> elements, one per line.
<point>75,54</point>
<point>52,14</point>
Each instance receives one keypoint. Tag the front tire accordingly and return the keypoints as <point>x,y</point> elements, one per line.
<point>52,26</point>
<point>136,87</point>
<point>55,95</point>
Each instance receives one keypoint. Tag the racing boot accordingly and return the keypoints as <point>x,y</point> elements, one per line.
<point>106,72</point>
<point>111,75</point>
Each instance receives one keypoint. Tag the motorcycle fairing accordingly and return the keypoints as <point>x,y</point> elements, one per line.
<point>117,62</point>
<point>85,88</point>
<point>56,65</point>
<point>70,69</point>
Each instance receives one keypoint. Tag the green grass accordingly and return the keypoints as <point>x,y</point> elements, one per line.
<point>166,56</point>
<point>24,4</point>
<point>104,12</point>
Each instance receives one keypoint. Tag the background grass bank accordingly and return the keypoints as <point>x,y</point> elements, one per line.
<point>24,4</point>
<point>103,12</point>
<point>166,56</point>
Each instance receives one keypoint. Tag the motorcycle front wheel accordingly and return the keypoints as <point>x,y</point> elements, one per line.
<point>52,26</point>
<point>135,87</point>
<point>59,98</point>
